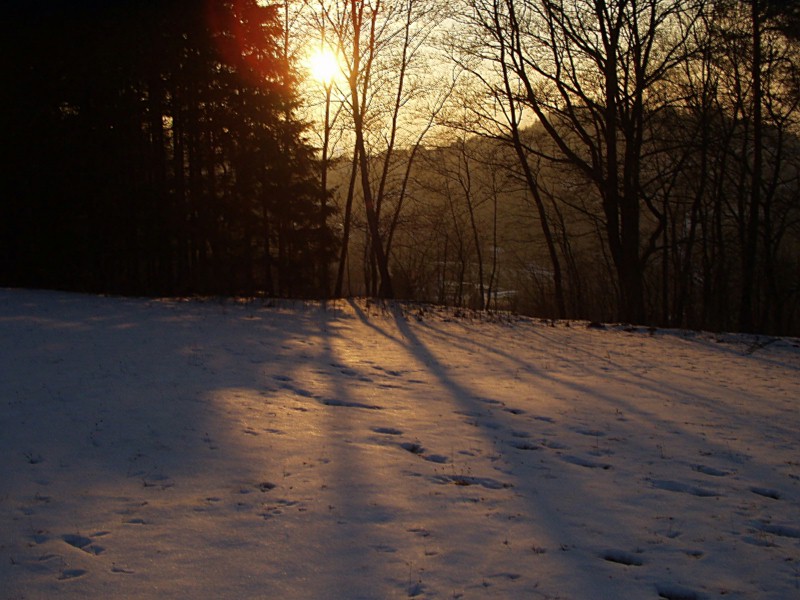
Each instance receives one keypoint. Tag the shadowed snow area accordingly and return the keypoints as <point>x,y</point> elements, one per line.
<point>186,449</point>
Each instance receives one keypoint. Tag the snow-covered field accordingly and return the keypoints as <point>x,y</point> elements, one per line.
<point>165,449</point>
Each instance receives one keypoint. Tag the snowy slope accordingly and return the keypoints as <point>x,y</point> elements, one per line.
<point>164,449</point>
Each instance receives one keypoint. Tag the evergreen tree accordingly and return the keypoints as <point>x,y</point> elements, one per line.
<point>157,151</point>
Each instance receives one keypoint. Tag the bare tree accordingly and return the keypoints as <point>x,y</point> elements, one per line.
<point>389,99</point>
<point>584,69</point>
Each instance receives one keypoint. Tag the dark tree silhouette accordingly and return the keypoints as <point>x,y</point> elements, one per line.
<point>155,150</point>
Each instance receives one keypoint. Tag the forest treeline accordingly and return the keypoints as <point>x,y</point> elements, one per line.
<point>634,160</point>
<point>153,147</point>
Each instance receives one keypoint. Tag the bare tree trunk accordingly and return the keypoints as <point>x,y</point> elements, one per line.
<point>348,218</point>
<point>750,249</point>
<point>357,14</point>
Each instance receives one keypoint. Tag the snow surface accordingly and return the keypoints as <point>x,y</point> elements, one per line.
<point>186,449</point>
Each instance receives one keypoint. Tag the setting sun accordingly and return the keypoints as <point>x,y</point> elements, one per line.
<point>323,65</point>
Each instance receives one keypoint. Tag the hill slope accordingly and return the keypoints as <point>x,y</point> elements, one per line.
<point>206,450</point>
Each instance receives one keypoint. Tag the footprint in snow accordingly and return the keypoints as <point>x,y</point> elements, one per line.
<point>302,392</point>
<point>348,404</point>
<point>677,486</point>
<point>161,481</point>
<point>412,447</point>
<point>436,458</point>
<point>33,458</point>
<point>84,543</point>
<point>490,401</point>
<point>623,558</point>
<point>509,576</point>
<point>278,508</point>
<point>420,531</point>
<point>670,591</point>
<point>469,413</point>
<point>416,448</point>
<point>68,574</point>
<point>554,445</point>
<point>591,432</point>
<point>466,480</point>
<point>711,471</point>
<point>122,570</point>
<point>523,445</point>
<point>585,462</point>
<point>40,537</point>
<point>760,541</point>
<point>766,492</point>
<point>387,430</point>
<point>389,386</point>
<point>780,530</point>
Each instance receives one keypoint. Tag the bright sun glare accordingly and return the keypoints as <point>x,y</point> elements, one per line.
<point>323,65</point>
